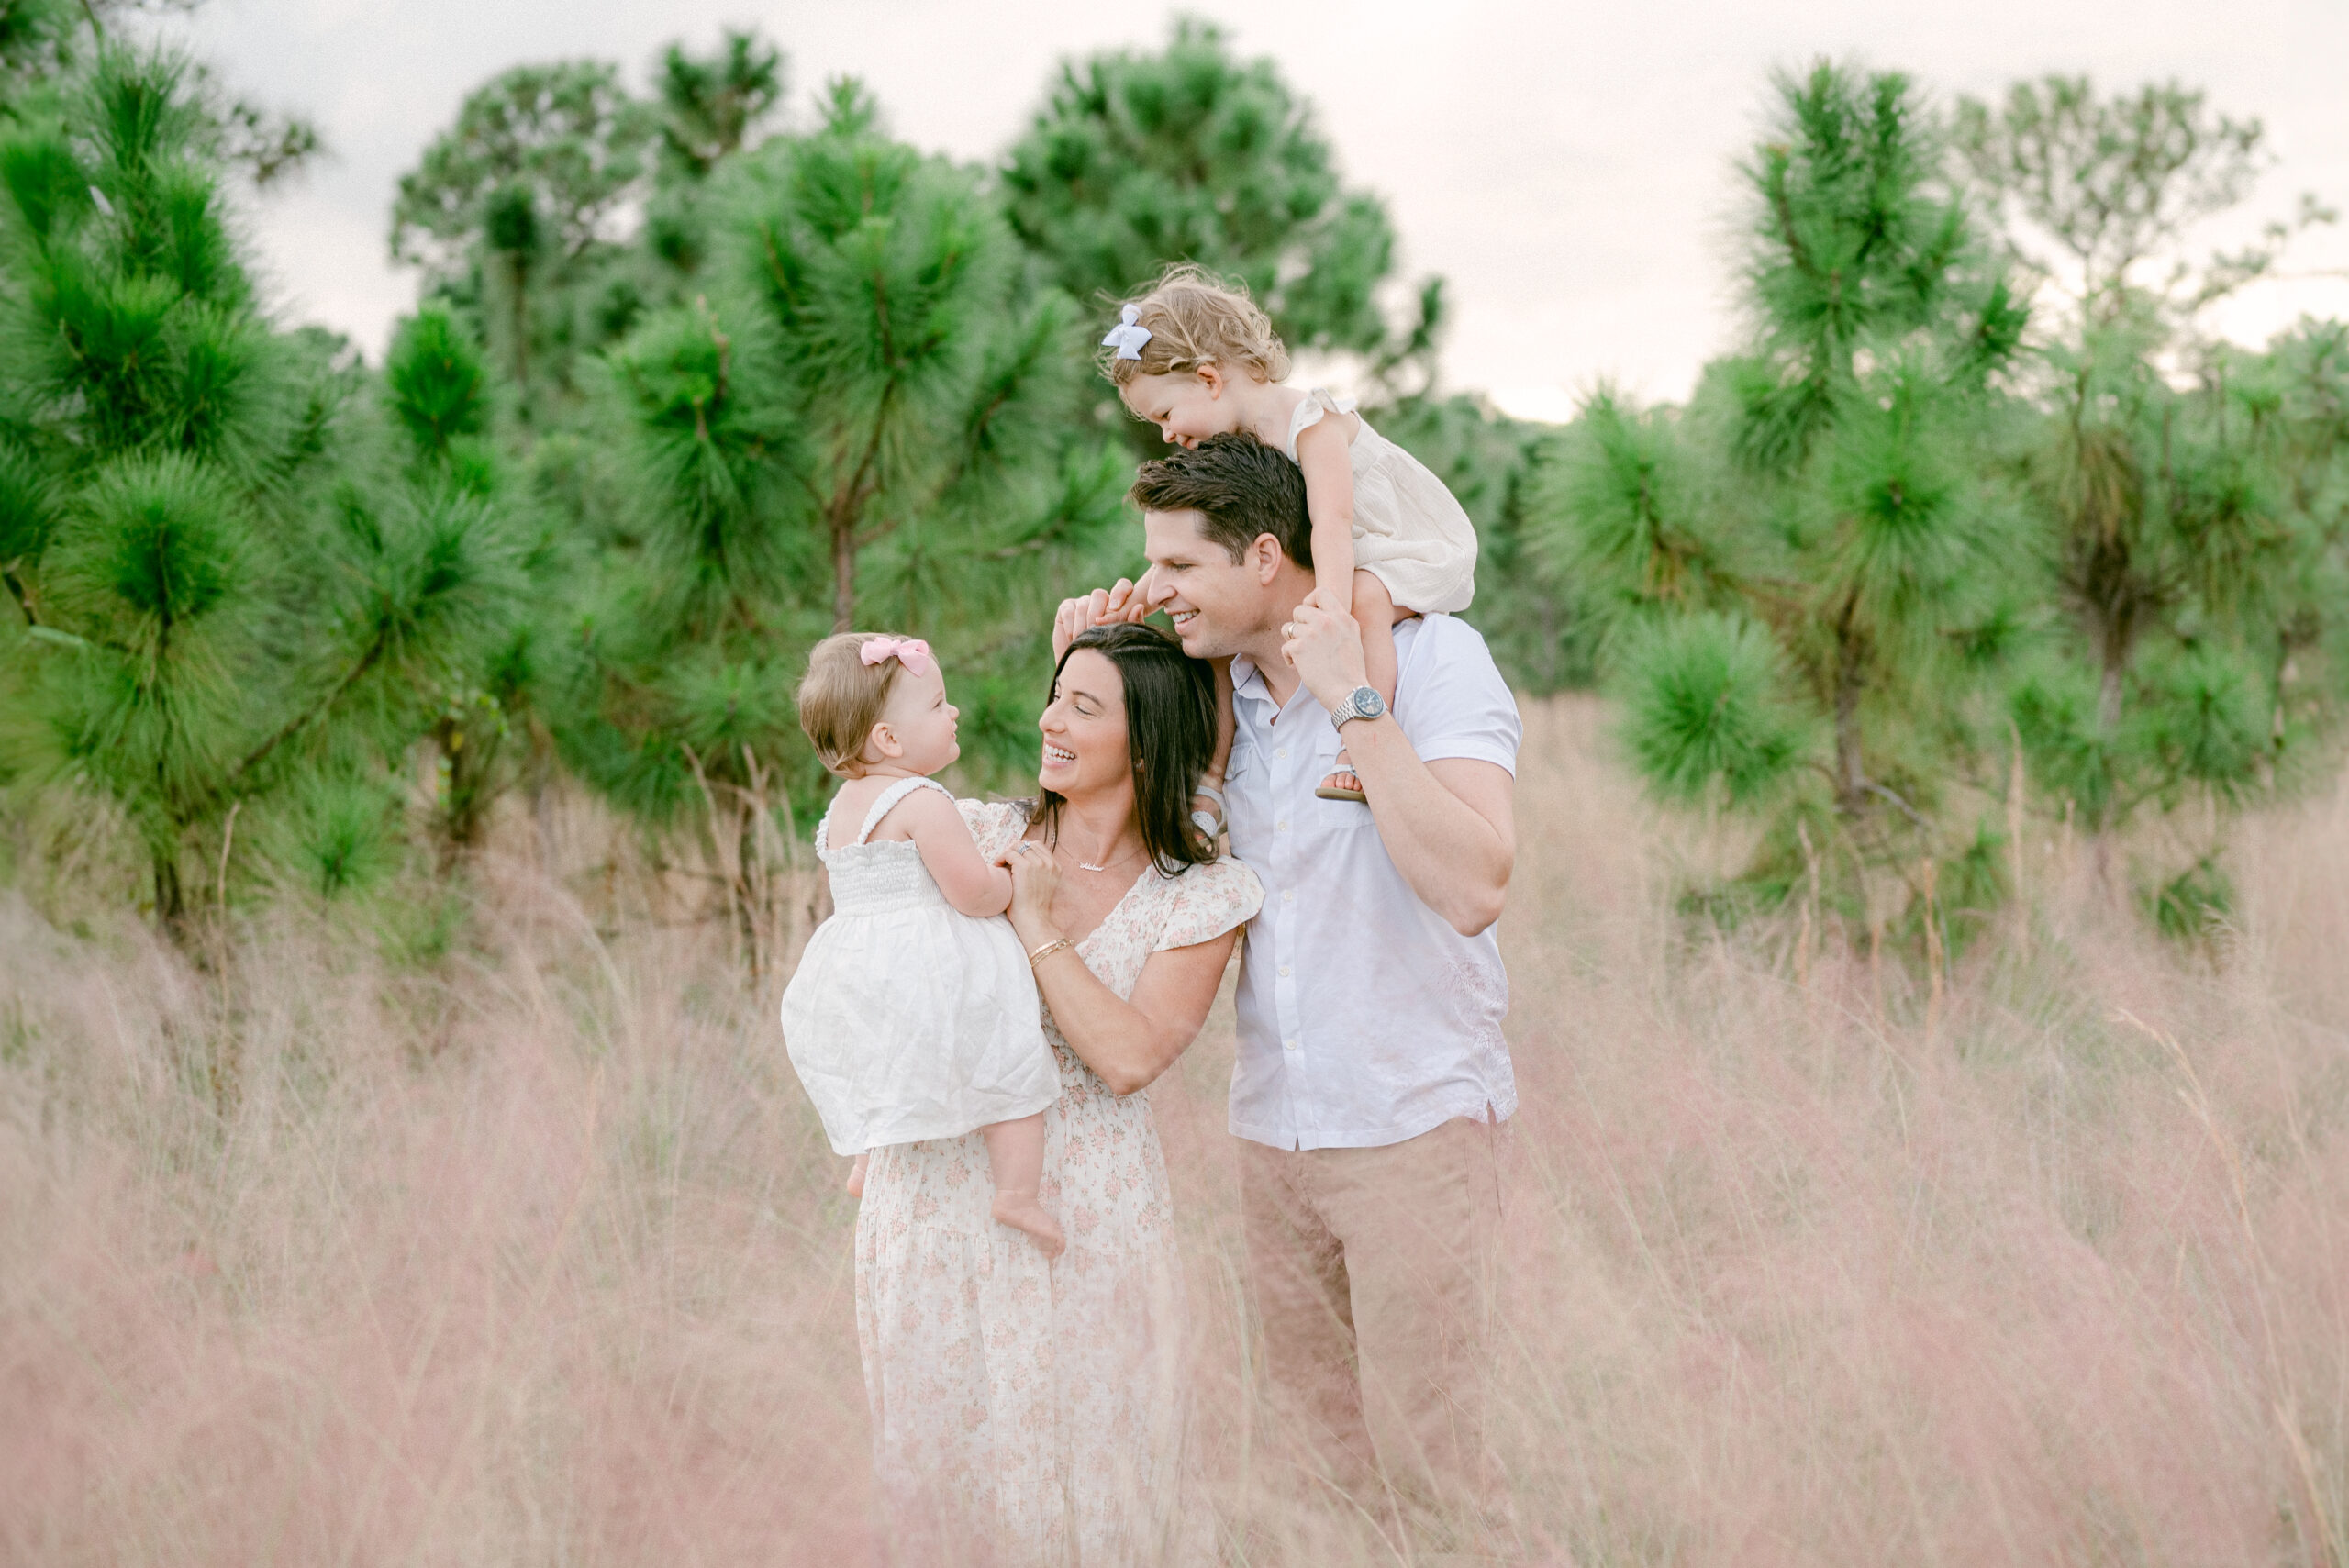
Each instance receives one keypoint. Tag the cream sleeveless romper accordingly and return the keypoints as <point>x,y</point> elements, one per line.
<point>905,1019</point>
<point>1408,528</point>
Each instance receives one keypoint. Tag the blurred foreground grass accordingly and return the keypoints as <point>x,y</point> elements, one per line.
<point>530,1253</point>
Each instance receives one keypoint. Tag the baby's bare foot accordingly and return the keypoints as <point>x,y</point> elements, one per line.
<point>856,1178</point>
<point>1022,1212</point>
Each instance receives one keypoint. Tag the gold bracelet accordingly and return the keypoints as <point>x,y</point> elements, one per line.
<point>1050,947</point>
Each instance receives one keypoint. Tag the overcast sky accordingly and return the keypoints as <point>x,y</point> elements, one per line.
<point>1568,168</point>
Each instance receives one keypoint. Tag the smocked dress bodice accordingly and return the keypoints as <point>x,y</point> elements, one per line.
<point>878,877</point>
<point>907,1019</point>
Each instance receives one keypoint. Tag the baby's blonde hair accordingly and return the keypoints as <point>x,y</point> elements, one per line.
<point>841,698</point>
<point>1196,318</point>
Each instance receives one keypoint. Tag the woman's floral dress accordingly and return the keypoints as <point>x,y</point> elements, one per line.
<point>1036,1406</point>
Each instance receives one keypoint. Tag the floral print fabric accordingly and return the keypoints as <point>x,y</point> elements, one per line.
<point>1036,1406</point>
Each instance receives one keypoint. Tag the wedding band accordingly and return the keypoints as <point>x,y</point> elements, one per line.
<point>1288,630</point>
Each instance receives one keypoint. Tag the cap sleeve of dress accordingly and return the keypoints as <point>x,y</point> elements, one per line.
<point>994,824</point>
<point>1209,900</point>
<point>1309,413</point>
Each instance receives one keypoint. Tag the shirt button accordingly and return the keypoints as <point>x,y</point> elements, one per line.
<point>1280,827</point>
<point>1282,753</point>
<point>1288,894</point>
<point>1288,1045</point>
<point>1284,971</point>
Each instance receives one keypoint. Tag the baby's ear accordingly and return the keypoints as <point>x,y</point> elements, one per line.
<point>884,740</point>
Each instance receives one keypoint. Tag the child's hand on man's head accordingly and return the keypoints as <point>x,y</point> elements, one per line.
<point>1127,601</point>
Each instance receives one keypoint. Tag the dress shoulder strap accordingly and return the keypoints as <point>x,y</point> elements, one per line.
<point>889,798</point>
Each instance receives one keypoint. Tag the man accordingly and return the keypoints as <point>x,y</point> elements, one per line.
<point>1372,1073</point>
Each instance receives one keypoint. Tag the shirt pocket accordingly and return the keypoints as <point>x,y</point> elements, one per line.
<point>1245,781</point>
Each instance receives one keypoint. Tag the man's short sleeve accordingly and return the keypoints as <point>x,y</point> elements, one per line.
<point>1452,700</point>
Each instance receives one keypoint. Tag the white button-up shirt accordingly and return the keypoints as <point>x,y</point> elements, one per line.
<point>1364,1019</point>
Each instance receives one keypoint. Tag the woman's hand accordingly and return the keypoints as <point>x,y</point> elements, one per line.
<point>1035,883</point>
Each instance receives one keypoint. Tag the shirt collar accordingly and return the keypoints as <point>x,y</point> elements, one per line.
<point>1249,681</point>
<point>1245,674</point>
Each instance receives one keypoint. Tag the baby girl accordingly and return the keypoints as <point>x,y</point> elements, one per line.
<point>913,1014</point>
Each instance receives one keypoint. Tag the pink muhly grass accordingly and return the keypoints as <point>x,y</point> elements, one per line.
<point>535,1253</point>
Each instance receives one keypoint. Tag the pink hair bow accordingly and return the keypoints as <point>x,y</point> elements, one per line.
<point>910,651</point>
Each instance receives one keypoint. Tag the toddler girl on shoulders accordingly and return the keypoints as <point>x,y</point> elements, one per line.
<point>1198,358</point>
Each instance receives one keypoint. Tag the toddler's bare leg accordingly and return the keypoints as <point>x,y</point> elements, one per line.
<point>1375,612</point>
<point>1016,1159</point>
<point>1380,615</point>
<point>856,1177</point>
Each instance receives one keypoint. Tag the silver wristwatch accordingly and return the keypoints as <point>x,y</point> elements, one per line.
<point>1363,702</point>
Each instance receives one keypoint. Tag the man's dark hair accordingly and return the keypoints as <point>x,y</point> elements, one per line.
<point>1241,487</point>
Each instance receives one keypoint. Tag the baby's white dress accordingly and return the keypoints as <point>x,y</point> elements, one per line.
<point>1410,530</point>
<point>905,1019</point>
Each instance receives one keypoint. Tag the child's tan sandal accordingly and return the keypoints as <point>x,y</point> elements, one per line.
<point>1344,784</point>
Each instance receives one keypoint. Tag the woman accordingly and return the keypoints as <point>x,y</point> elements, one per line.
<point>1027,1405</point>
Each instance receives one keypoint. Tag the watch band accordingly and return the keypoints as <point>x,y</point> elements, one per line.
<point>1352,708</point>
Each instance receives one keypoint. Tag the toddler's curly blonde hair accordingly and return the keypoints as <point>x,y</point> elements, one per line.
<point>1196,318</point>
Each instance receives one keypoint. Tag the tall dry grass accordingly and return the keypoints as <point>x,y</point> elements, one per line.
<point>533,1254</point>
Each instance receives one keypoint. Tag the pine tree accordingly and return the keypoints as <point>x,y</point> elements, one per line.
<point>436,388</point>
<point>43,41</point>
<point>1791,581</point>
<point>2184,524</point>
<point>211,616</point>
<point>1495,465</point>
<point>1138,160</point>
<point>509,212</point>
<point>865,422</point>
<point>710,107</point>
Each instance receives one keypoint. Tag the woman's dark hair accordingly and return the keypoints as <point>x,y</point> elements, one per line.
<point>1170,731</point>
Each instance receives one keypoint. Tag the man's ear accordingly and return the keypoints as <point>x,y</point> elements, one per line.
<point>1265,556</point>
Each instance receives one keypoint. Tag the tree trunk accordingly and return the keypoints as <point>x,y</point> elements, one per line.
<point>843,573</point>
<point>749,908</point>
<point>2108,696</point>
<point>1851,774</point>
<point>170,899</point>
<point>521,329</point>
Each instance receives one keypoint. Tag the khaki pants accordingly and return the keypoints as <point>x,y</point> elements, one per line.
<point>1372,1272</point>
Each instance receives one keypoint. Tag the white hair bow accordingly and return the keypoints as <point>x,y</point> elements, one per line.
<point>1127,336</point>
